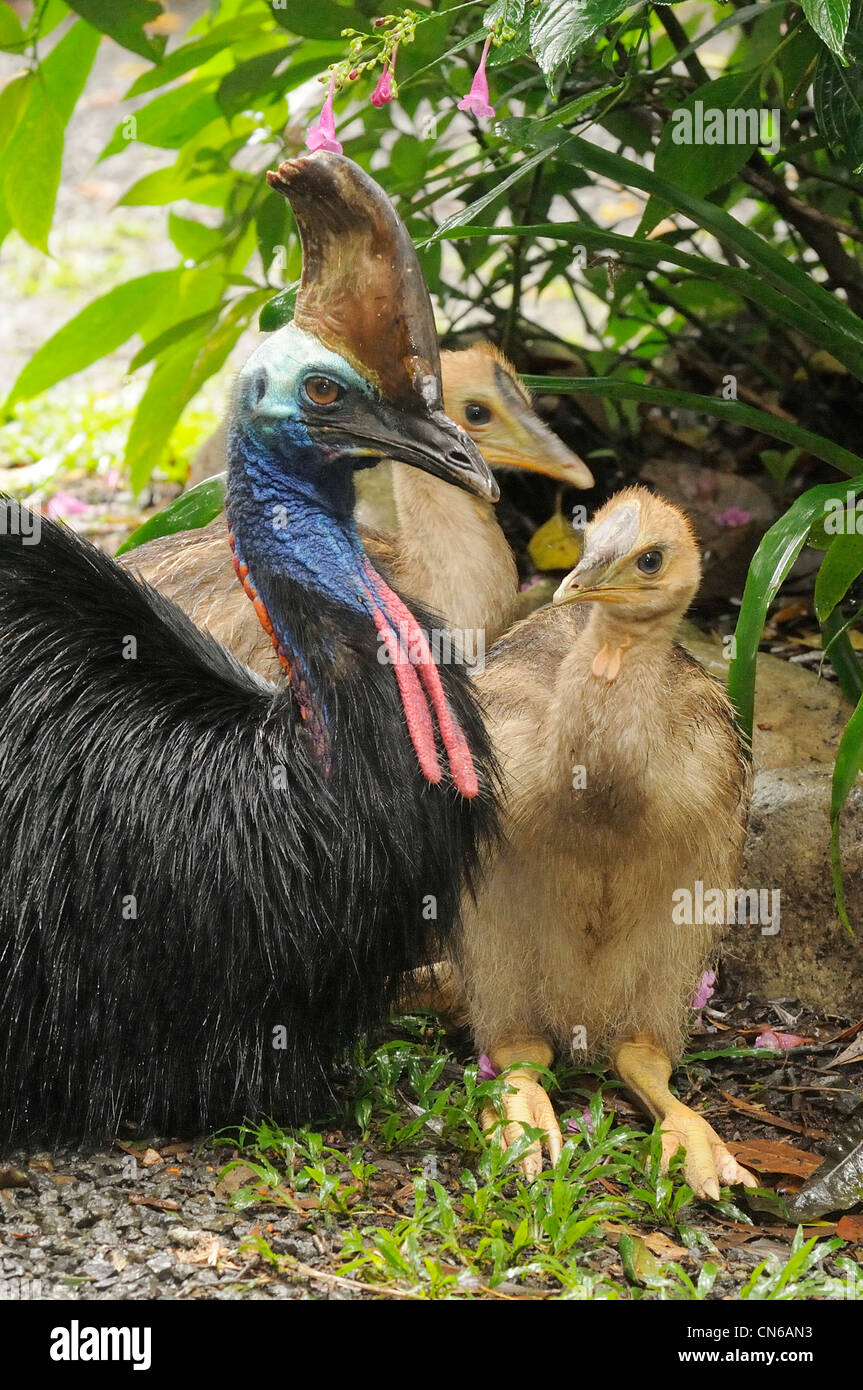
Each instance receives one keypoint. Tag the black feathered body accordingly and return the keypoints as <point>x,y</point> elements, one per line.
<point>197,917</point>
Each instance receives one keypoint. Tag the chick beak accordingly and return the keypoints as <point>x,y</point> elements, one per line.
<point>526,442</point>
<point>590,582</point>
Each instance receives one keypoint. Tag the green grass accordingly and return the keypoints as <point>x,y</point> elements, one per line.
<point>469,1226</point>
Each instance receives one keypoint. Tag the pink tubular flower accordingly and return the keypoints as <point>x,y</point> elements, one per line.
<point>485,1070</point>
<point>322,136</point>
<point>386,88</point>
<point>477,100</point>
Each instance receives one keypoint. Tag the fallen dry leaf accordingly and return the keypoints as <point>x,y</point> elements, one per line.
<point>149,1158</point>
<point>850,1228</point>
<point>159,1203</point>
<point>660,1245</point>
<point>765,1156</point>
<point>852,1053</point>
<point>748,1107</point>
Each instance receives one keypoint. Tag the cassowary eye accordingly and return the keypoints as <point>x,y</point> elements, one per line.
<point>321,390</point>
<point>476,414</point>
<point>650,562</point>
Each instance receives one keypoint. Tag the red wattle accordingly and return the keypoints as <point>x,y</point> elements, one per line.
<point>414,702</point>
<point>458,752</point>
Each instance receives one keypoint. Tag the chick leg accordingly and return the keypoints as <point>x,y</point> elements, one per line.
<point>644,1069</point>
<point>435,989</point>
<point>527,1103</point>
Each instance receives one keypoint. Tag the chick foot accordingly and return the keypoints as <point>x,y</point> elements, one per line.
<point>645,1069</point>
<point>708,1164</point>
<point>525,1103</point>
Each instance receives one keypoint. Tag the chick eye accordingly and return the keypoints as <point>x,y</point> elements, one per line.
<point>476,414</point>
<point>321,390</point>
<point>650,562</point>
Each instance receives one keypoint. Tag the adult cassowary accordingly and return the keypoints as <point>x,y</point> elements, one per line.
<point>209,879</point>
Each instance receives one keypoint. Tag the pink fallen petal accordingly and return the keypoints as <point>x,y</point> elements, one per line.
<point>573,1127</point>
<point>732,517</point>
<point>705,990</point>
<point>64,504</point>
<point>485,1070</point>
<point>778,1041</point>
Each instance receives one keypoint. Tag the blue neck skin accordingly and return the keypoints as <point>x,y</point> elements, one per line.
<point>293,518</point>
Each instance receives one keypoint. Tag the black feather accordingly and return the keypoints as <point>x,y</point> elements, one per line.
<point>180,876</point>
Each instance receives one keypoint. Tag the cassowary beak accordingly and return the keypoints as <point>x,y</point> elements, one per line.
<point>363,296</point>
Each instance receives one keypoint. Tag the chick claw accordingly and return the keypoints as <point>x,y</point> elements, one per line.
<point>708,1164</point>
<point>527,1103</point>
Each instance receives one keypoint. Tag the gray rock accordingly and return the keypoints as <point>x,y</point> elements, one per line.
<point>811,957</point>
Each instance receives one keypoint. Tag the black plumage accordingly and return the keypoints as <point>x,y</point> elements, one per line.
<point>181,880</point>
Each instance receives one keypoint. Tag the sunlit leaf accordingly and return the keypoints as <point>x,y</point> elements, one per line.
<point>196,507</point>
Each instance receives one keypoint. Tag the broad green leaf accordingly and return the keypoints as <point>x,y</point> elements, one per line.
<point>559,28</point>
<point>170,185</point>
<point>317,19</point>
<point>217,42</point>
<point>278,311</point>
<point>846,769</point>
<point>195,508</point>
<point>842,564</point>
<point>100,328</point>
<point>167,394</point>
<point>31,166</point>
<point>169,120</point>
<point>192,239</point>
<point>274,224</point>
<point>829,19</point>
<point>694,151</point>
<point>124,22</point>
<point>156,346</point>
<point>13,103</point>
<point>509,13</point>
<point>11,33</point>
<point>249,81</point>
<point>838,101</point>
<point>770,565</point>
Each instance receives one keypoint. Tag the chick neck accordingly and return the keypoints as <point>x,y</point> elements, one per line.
<point>617,641</point>
<point>453,554</point>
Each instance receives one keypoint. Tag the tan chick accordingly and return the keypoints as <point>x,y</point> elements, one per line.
<point>625,782</point>
<point>450,552</point>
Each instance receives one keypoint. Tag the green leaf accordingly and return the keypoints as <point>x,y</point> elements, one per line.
<point>838,101</point>
<point>273,222</point>
<point>11,33</point>
<point>169,120</point>
<point>192,239</point>
<point>278,311</point>
<point>842,564</point>
<point>509,13</point>
<point>559,28</point>
<point>316,19</point>
<point>124,23</point>
<point>31,166</point>
<point>195,508</point>
<point>770,565</point>
<point>249,81</point>
<point>168,391</point>
<point>99,329</point>
<point>216,41</point>
<point>829,19</point>
<point>170,185</point>
<point>695,165</point>
<point>158,345</point>
<point>846,769</point>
